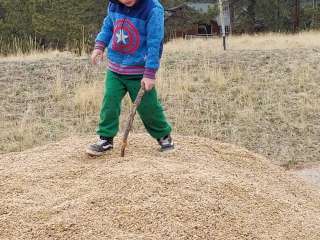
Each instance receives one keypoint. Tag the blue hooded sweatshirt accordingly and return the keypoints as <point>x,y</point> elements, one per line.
<point>134,37</point>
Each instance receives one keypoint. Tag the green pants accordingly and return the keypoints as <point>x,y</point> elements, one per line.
<point>150,109</point>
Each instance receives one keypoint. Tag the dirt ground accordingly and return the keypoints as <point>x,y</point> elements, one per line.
<point>202,190</point>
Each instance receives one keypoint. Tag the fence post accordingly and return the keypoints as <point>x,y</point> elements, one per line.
<point>223,28</point>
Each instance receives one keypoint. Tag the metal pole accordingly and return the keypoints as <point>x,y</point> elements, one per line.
<point>278,16</point>
<point>231,18</point>
<point>223,28</point>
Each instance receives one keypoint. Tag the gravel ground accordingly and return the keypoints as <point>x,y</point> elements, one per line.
<point>202,190</point>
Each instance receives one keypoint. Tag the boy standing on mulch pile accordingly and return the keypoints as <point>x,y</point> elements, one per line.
<point>133,32</point>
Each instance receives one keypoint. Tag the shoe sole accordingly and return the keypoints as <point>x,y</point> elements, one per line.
<point>168,149</point>
<point>92,153</point>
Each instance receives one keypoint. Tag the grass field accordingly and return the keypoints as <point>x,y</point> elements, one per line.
<point>263,94</point>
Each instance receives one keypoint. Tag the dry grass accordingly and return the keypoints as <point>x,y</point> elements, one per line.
<point>269,41</point>
<point>88,98</point>
<point>18,46</point>
<point>262,94</point>
<point>35,55</point>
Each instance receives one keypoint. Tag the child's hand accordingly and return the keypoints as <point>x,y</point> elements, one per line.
<point>148,83</point>
<point>96,56</point>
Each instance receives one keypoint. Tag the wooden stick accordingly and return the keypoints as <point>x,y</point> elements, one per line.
<point>130,120</point>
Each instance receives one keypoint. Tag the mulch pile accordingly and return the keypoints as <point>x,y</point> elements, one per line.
<point>202,190</point>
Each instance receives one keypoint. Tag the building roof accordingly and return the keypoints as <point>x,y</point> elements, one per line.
<point>309,2</point>
<point>202,7</point>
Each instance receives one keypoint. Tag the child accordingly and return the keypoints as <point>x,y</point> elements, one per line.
<point>133,32</point>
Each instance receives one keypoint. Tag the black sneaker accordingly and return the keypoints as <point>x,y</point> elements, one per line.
<point>166,143</point>
<point>101,147</point>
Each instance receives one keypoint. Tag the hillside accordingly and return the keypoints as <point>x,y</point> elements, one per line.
<point>261,94</point>
<point>202,190</point>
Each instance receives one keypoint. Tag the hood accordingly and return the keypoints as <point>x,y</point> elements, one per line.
<point>117,2</point>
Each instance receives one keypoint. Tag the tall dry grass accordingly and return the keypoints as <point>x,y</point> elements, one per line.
<point>18,46</point>
<point>266,41</point>
<point>262,94</point>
